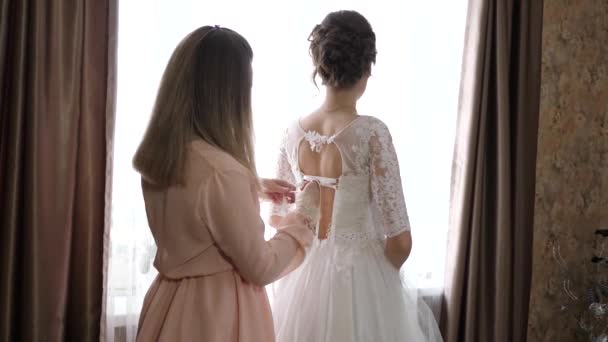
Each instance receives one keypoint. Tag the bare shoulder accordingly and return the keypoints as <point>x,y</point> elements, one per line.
<point>313,119</point>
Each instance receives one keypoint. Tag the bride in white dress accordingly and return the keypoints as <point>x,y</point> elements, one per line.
<point>349,287</point>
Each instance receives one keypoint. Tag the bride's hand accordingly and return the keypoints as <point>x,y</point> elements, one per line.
<point>277,190</point>
<point>307,203</point>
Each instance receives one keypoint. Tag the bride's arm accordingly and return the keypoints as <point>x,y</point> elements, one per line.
<point>279,209</point>
<point>387,196</point>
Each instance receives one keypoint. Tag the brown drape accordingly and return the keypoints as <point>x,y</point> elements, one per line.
<point>490,251</point>
<point>56,107</point>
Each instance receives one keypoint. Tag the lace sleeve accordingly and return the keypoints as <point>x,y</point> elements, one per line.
<point>284,172</point>
<point>386,187</point>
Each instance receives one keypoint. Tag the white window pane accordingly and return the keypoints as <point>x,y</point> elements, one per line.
<point>414,89</point>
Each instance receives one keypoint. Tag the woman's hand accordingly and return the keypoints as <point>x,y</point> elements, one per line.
<point>277,191</point>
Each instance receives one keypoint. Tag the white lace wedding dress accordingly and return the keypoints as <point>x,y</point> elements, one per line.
<point>346,289</point>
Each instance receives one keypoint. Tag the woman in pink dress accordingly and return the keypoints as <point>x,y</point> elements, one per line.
<point>201,193</point>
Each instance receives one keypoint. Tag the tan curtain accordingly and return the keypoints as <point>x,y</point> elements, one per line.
<point>490,251</point>
<point>56,107</point>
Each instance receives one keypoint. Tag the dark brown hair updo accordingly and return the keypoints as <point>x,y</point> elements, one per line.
<point>343,49</point>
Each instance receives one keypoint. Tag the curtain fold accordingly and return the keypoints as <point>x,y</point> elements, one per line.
<point>490,245</point>
<point>56,103</point>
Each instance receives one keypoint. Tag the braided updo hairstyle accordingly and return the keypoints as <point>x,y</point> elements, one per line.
<point>343,49</point>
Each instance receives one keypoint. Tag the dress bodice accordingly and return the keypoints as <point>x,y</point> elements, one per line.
<point>368,201</point>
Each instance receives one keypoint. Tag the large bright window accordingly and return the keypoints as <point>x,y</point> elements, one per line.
<point>414,89</point>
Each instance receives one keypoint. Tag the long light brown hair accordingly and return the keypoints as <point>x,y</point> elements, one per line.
<point>205,93</point>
